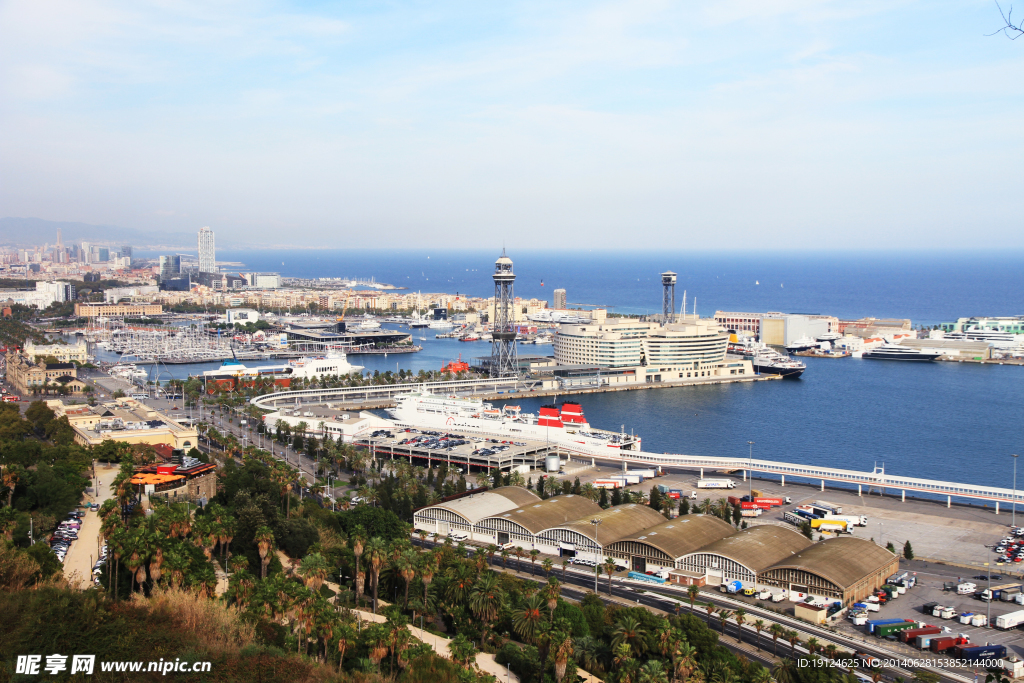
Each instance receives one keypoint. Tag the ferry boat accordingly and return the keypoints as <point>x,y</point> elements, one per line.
<point>767,360</point>
<point>563,425</point>
<point>897,352</point>
<point>233,373</point>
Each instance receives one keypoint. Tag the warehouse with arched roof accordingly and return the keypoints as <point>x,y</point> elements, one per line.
<point>744,555</point>
<point>663,545</point>
<point>520,525</point>
<point>588,536</point>
<point>463,513</point>
<point>845,568</point>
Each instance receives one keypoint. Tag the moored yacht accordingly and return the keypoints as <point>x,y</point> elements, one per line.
<point>897,352</point>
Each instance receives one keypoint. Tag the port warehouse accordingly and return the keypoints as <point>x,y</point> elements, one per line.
<point>697,548</point>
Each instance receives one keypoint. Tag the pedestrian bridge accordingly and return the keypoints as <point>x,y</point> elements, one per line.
<point>388,392</point>
<point>876,479</point>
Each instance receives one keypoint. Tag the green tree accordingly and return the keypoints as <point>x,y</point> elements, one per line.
<point>908,551</point>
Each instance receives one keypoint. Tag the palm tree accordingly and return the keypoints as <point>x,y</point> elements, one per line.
<point>724,615</point>
<point>609,569</point>
<point>785,671</point>
<point>739,617</point>
<point>520,554</point>
<point>686,660</point>
<point>534,554</point>
<point>346,637</point>
<point>504,558</point>
<point>406,567</point>
<point>831,650</point>
<point>710,608</point>
<point>551,592</point>
<point>565,567</point>
<point>759,626</point>
<point>462,650</point>
<point>653,671</point>
<point>428,567</point>
<point>692,592</point>
<point>264,541</point>
<point>706,506</point>
<point>527,621</point>
<point>793,637</point>
<point>776,632</point>
<point>630,631</point>
<point>485,600</point>
<point>376,553</point>
<point>585,648</point>
<point>546,565</point>
<point>763,675</point>
<point>314,571</point>
<point>357,550</point>
<point>562,646</point>
<point>812,645</point>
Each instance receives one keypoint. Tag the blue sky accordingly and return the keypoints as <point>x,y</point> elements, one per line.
<point>728,124</point>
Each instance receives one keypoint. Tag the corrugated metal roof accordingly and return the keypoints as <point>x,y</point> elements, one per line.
<point>552,512</point>
<point>682,535</point>
<point>616,522</point>
<point>489,503</point>
<point>843,560</point>
<point>759,547</point>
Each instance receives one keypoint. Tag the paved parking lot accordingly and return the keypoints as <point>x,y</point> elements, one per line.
<point>961,534</point>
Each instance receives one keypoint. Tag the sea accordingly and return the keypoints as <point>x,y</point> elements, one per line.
<point>952,421</point>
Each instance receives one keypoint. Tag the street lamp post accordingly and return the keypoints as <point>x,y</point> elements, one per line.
<point>988,608</point>
<point>750,473</point>
<point>597,565</point>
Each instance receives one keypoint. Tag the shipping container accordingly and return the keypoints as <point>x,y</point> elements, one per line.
<point>646,474</point>
<point>754,506</point>
<point>874,623</point>
<point>909,635</point>
<point>662,488</point>
<point>774,502</point>
<point>941,644</point>
<point>924,641</point>
<point>1009,595</point>
<point>716,484</point>
<point>890,629</point>
<point>831,507</point>
<point>756,512</point>
<point>607,484</point>
<point>1010,620</point>
<point>976,653</point>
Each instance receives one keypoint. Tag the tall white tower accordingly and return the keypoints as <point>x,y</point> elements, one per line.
<point>207,262</point>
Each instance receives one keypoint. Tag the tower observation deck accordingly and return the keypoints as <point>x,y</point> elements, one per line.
<point>504,359</point>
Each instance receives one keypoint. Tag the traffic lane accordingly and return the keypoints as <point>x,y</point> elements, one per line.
<point>648,599</point>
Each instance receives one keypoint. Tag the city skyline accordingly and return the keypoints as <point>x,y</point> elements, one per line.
<point>709,127</point>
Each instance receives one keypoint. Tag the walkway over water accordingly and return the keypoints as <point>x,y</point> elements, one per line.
<point>877,479</point>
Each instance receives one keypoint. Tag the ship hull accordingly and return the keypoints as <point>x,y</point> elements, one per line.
<point>924,358</point>
<point>785,373</point>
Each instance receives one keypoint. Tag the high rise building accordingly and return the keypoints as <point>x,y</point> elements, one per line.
<point>207,261</point>
<point>560,299</point>
<point>126,252</point>
<point>170,267</point>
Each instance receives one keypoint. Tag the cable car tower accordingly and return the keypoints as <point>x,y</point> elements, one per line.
<point>668,297</point>
<point>504,359</point>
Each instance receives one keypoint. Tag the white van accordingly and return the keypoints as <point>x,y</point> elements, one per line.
<point>457,535</point>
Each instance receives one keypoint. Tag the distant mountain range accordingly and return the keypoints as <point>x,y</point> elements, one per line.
<point>33,231</point>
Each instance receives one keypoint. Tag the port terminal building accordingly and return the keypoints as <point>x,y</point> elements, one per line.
<point>630,350</point>
<point>695,548</point>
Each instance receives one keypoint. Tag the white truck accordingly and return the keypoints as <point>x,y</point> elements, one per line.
<point>716,484</point>
<point>1011,620</point>
<point>852,520</point>
<point>966,588</point>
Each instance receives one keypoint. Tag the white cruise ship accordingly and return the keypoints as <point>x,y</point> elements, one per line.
<point>232,373</point>
<point>564,426</point>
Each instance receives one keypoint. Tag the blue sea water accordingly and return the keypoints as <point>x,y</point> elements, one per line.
<point>941,420</point>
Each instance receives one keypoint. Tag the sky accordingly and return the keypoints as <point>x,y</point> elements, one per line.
<point>723,124</point>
